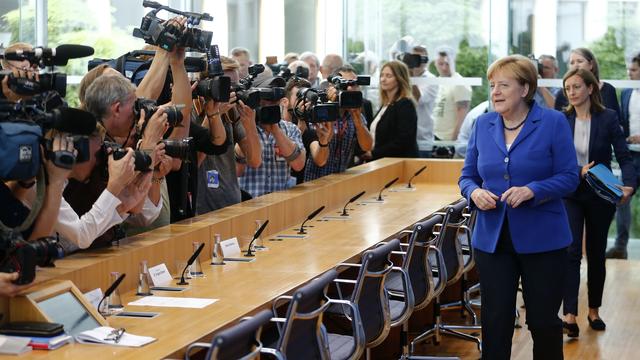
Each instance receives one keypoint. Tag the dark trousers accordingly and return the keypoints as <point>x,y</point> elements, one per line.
<point>542,284</point>
<point>593,214</point>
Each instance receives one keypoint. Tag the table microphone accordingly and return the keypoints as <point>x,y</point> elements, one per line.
<point>255,236</point>
<point>386,187</point>
<point>416,174</point>
<point>191,260</point>
<point>111,289</point>
<point>344,210</point>
<point>311,216</point>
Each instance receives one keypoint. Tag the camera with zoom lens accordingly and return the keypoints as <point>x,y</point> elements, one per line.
<point>414,60</point>
<point>245,92</point>
<point>349,99</point>
<point>178,149</point>
<point>217,89</point>
<point>142,160</point>
<point>174,112</point>
<point>18,255</point>
<point>287,74</point>
<point>167,35</point>
<point>319,110</point>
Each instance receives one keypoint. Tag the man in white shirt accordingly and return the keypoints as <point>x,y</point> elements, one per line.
<point>425,95</point>
<point>452,102</point>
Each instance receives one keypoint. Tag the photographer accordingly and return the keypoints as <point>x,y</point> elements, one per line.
<point>315,138</point>
<point>350,128</point>
<point>282,150</point>
<point>217,176</point>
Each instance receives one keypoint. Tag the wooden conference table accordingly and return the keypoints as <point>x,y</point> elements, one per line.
<point>243,288</point>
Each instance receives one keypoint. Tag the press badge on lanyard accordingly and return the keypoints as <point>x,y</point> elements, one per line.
<point>213,179</point>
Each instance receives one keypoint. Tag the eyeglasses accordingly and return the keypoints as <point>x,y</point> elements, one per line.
<point>115,335</point>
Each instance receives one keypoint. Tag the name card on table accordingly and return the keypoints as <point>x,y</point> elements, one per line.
<point>231,251</point>
<point>160,275</point>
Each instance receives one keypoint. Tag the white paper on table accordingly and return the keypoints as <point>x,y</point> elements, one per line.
<point>179,302</point>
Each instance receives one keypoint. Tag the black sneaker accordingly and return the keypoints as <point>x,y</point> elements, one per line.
<point>572,330</point>
<point>615,253</point>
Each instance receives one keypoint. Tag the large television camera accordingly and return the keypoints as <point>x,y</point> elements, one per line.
<point>22,125</point>
<point>167,35</point>
<point>18,255</point>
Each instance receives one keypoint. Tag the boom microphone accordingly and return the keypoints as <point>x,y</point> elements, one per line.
<point>58,56</point>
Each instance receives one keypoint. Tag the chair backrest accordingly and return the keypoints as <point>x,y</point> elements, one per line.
<point>370,295</point>
<point>240,341</point>
<point>417,264</point>
<point>449,243</point>
<point>303,336</point>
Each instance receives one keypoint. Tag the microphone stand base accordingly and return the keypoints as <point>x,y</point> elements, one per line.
<point>146,294</point>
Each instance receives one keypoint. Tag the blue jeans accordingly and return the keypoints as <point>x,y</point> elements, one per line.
<point>623,213</point>
<point>424,154</point>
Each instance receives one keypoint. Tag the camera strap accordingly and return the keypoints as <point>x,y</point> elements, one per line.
<point>35,209</point>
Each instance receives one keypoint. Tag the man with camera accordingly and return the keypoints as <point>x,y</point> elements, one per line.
<point>452,101</point>
<point>426,97</point>
<point>349,129</point>
<point>19,68</point>
<point>217,176</point>
<point>282,148</point>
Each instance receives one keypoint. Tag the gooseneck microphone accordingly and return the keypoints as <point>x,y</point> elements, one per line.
<point>111,289</point>
<point>191,260</point>
<point>344,210</point>
<point>255,236</point>
<point>58,56</point>
<point>311,216</point>
<point>414,175</point>
<point>388,185</point>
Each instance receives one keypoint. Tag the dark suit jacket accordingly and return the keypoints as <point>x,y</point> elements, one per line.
<point>625,97</point>
<point>606,133</point>
<point>396,131</point>
<point>542,158</point>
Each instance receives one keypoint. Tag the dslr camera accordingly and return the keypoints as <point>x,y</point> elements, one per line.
<point>178,149</point>
<point>18,255</point>
<point>414,60</point>
<point>167,36</point>
<point>174,112</point>
<point>142,160</point>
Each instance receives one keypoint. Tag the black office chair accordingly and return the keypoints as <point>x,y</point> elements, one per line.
<point>449,245</point>
<point>465,304</point>
<point>241,341</point>
<point>370,296</point>
<point>418,265</point>
<point>302,335</point>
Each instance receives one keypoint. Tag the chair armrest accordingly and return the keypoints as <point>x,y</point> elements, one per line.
<point>278,319</point>
<point>195,345</point>
<point>272,352</point>
<point>348,265</point>
<point>408,297</point>
<point>357,327</point>
<point>278,301</point>
<point>345,281</point>
<point>441,270</point>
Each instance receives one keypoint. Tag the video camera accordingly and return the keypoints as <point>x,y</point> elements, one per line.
<point>320,110</point>
<point>47,82</point>
<point>142,160</point>
<point>349,99</point>
<point>167,36</point>
<point>18,255</point>
<point>414,60</point>
<point>287,74</point>
<point>22,125</point>
<point>244,91</point>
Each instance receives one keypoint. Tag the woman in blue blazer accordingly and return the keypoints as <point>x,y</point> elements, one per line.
<point>520,163</point>
<point>595,131</point>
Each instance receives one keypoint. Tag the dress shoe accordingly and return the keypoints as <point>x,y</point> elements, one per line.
<point>597,324</point>
<point>615,253</point>
<point>572,330</point>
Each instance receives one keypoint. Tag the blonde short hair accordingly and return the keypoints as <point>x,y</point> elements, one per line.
<point>12,48</point>
<point>521,69</point>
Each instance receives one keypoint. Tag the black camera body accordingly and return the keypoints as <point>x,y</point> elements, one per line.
<point>48,82</point>
<point>178,149</point>
<point>350,99</point>
<point>321,110</point>
<point>414,60</point>
<point>167,36</point>
<point>142,160</point>
<point>174,113</point>
<point>245,92</point>
<point>18,255</point>
<point>217,88</point>
<point>268,115</point>
<point>287,74</point>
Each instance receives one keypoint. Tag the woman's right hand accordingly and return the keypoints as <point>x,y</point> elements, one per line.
<point>484,199</point>
<point>586,168</point>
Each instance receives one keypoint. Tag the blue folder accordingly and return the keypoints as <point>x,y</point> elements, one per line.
<point>604,183</point>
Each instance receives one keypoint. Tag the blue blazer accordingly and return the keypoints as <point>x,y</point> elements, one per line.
<point>625,98</point>
<point>543,158</point>
<point>605,134</point>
